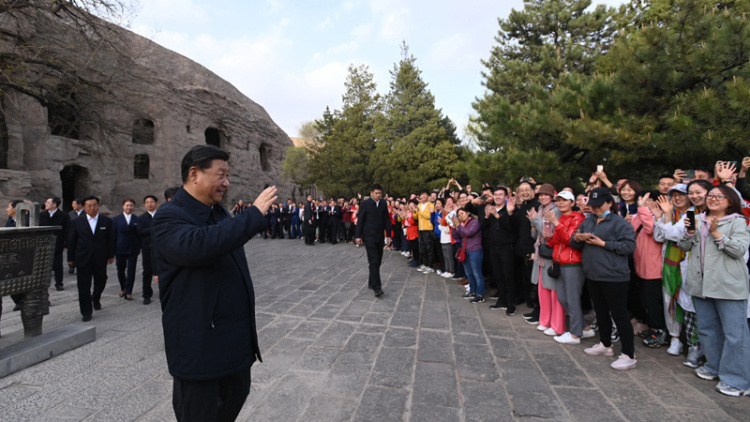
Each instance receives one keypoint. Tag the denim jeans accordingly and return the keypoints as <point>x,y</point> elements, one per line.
<point>473,268</point>
<point>725,339</point>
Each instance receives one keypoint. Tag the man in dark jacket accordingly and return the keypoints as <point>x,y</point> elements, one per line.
<point>145,223</point>
<point>206,293</point>
<point>373,222</point>
<point>310,221</point>
<point>52,216</point>
<point>91,247</point>
<point>127,247</point>
<point>499,228</point>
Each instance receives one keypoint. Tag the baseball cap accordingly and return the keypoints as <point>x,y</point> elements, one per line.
<point>599,196</point>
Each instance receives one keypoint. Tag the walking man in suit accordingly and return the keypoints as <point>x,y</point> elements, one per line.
<point>310,221</point>
<point>334,221</point>
<point>127,248</point>
<point>91,247</point>
<point>52,216</point>
<point>373,222</point>
<point>145,222</point>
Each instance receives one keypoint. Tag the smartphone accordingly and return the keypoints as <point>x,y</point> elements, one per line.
<point>599,168</point>
<point>585,200</point>
<point>691,218</point>
<point>734,163</point>
<point>689,175</point>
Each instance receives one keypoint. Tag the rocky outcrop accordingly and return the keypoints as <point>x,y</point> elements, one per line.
<point>152,106</point>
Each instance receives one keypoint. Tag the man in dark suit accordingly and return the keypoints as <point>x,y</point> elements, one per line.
<point>127,248</point>
<point>91,247</point>
<point>207,297</point>
<point>52,216</point>
<point>293,220</point>
<point>323,221</point>
<point>334,221</point>
<point>145,222</point>
<point>310,221</point>
<point>373,222</point>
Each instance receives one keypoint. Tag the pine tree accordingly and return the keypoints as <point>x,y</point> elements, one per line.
<point>673,92</point>
<point>517,127</point>
<point>339,165</point>
<point>416,144</point>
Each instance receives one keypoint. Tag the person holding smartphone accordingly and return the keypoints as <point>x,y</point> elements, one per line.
<point>717,279</point>
<point>606,240</point>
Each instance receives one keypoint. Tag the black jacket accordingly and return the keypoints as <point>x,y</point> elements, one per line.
<point>525,242</point>
<point>372,221</point>
<point>58,219</point>
<point>207,297</point>
<point>127,241</point>
<point>145,223</point>
<point>497,232</point>
<point>86,248</point>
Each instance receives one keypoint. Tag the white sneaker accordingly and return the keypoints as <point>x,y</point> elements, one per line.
<point>448,275</point>
<point>675,347</point>
<point>421,268</point>
<point>599,350</point>
<point>428,270</point>
<point>439,272</point>
<point>624,362</point>
<point>588,333</point>
<point>567,339</point>
<point>550,332</point>
<point>541,327</point>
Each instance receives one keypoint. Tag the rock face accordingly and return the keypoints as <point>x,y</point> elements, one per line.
<point>158,105</point>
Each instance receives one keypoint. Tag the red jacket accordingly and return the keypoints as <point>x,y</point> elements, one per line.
<point>560,240</point>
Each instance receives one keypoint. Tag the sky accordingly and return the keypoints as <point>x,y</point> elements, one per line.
<point>292,56</point>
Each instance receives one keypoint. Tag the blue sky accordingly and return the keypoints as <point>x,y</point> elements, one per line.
<point>291,56</point>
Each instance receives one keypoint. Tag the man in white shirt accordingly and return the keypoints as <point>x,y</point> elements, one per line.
<point>52,216</point>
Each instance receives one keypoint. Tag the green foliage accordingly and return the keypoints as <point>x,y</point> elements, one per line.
<point>661,85</point>
<point>402,141</point>
<point>340,161</point>
<point>519,124</point>
<point>295,167</point>
<point>416,145</point>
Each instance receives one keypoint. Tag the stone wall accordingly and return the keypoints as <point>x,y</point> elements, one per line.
<point>180,97</point>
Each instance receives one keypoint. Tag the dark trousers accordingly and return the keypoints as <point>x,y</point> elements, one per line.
<point>333,231</point>
<point>84,275</point>
<point>219,399</point>
<point>57,267</point>
<point>322,230</point>
<point>426,248</point>
<point>148,273</point>
<point>414,248</point>
<point>275,229</point>
<point>398,234</point>
<point>309,233</point>
<point>126,279</point>
<point>503,269</point>
<point>611,298</point>
<point>651,298</point>
<point>374,258</point>
<point>294,230</point>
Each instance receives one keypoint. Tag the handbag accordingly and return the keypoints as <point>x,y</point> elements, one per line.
<point>554,270</point>
<point>461,253</point>
<point>545,251</point>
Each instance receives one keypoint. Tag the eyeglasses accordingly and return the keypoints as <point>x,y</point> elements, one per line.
<point>717,197</point>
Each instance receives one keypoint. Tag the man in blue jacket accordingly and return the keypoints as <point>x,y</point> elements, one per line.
<point>127,247</point>
<point>206,293</point>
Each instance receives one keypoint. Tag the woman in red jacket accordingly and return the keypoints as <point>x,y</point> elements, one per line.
<point>570,283</point>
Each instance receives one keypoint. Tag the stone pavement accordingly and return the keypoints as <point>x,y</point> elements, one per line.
<point>333,352</point>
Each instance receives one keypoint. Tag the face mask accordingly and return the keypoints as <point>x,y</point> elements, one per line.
<point>606,213</point>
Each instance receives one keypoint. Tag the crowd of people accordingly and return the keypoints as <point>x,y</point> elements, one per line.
<point>667,263</point>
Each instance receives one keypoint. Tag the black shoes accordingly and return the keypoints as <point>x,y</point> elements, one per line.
<point>86,318</point>
<point>128,297</point>
<point>17,307</point>
<point>511,310</point>
<point>97,306</point>
<point>59,288</point>
<point>378,292</point>
<point>146,301</point>
<point>71,270</point>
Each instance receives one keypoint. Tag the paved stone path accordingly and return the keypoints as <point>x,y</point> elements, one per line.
<point>333,352</point>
